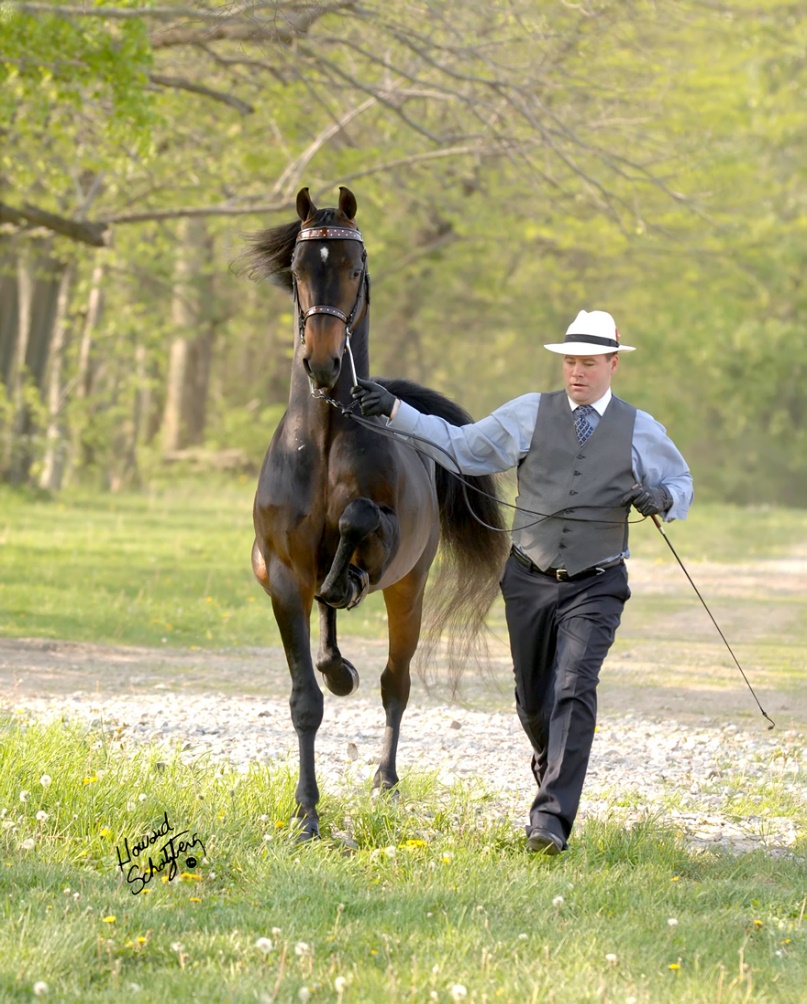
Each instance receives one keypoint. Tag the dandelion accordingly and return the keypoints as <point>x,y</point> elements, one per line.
<point>110,919</point>
<point>264,945</point>
<point>302,949</point>
<point>41,816</point>
<point>757,924</point>
<point>142,796</point>
<point>339,984</point>
<point>672,922</point>
<point>674,966</point>
<point>523,936</point>
<point>448,856</point>
<point>263,819</point>
<point>45,780</point>
<point>90,780</point>
<point>130,807</point>
<point>611,959</point>
<point>40,988</point>
<point>304,995</point>
<point>24,796</point>
<point>458,992</point>
<point>28,844</point>
<point>390,852</point>
<point>276,932</point>
<point>194,899</point>
<point>557,902</point>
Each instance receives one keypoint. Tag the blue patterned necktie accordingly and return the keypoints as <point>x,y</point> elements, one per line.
<point>582,426</point>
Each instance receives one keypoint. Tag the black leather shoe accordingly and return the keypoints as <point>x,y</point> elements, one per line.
<point>544,842</point>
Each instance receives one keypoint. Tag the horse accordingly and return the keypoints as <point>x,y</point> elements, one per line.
<point>342,510</point>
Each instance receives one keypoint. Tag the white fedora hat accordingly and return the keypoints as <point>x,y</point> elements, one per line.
<point>591,333</point>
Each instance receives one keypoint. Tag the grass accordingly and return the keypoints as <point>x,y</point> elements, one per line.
<point>171,566</point>
<point>438,893</point>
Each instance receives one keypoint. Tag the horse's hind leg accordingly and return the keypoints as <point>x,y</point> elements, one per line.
<point>340,675</point>
<point>404,603</point>
<point>346,585</point>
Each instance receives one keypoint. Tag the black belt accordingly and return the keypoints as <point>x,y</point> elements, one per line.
<point>560,574</point>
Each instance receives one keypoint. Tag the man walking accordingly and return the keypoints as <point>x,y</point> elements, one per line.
<point>584,457</point>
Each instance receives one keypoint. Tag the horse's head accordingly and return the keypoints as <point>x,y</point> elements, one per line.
<point>329,272</point>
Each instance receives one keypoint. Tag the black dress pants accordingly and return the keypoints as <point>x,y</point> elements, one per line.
<point>560,633</point>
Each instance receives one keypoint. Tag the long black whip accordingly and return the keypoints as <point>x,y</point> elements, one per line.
<point>660,527</point>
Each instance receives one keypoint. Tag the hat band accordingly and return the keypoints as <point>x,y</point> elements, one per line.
<point>593,339</point>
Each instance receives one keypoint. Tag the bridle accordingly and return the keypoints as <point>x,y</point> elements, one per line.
<point>329,234</point>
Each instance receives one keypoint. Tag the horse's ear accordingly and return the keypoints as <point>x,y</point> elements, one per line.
<point>347,203</point>
<point>305,207</point>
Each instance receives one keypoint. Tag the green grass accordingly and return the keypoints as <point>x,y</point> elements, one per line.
<point>171,566</point>
<point>436,894</point>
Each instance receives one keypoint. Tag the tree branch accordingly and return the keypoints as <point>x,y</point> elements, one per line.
<point>94,234</point>
<point>188,85</point>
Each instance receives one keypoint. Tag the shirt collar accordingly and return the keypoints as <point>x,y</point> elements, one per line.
<point>598,406</point>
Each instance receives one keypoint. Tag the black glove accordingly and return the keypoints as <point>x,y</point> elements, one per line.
<point>373,398</point>
<point>649,501</point>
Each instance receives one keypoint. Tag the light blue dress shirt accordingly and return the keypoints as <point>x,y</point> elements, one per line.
<point>499,441</point>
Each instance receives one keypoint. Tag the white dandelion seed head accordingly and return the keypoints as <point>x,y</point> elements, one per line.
<point>264,945</point>
<point>390,851</point>
<point>672,922</point>
<point>40,988</point>
<point>176,946</point>
<point>41,815</point>
<point>142,796</point>
<point>130,807</point>
<point>558,901</point>
<point>611,959</point>
<point>28,844</point>
<point>24,796</point>
<point>302,948</point>
<point>77,896</point>
<point>304,995</point>
<point>276,932</point>
<point>45,780</point>
<point>339,984</point>
<point>263,819</point>
<point>522,936</point>
<point>458,992</point>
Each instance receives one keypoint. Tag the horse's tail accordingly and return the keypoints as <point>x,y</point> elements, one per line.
<point>474,546</point>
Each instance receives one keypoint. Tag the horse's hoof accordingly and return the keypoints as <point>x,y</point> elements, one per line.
<point>343,679</point>
<point>309,830</point>
<point>386,787</point>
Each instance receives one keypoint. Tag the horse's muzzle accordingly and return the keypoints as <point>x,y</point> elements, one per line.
<point>325,373</point>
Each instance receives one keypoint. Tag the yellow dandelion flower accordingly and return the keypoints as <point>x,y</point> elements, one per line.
<point>105,831</point>
<point>90,780</point>
<point>675,966</point>
<point>141,940</point>
<point>279,824</point>
<point>415,843</point>
<point>110,919</point>
<point>675,878</point>
<point>757,924</point>
<point>194,899</point>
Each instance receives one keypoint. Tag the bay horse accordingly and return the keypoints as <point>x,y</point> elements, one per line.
<point>342,510</point>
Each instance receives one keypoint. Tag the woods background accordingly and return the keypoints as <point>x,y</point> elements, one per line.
<point>513,161</point>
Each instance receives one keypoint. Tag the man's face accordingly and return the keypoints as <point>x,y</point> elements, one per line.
<point>587,378</point>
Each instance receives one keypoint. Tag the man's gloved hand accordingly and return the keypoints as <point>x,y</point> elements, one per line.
<point>373,398</point>
<point>649,501</point>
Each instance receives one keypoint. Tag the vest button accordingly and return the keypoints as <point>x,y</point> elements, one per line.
<point>581,456</point>
<point>566,529</point>
<point>572,492</point>
<point>577,474</point>
<point>561,546</point>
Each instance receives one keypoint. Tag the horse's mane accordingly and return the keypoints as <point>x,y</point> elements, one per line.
<point>269,252</point>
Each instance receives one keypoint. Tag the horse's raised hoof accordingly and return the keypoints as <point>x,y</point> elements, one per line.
<point>343,679</point>
<point>347,593</point>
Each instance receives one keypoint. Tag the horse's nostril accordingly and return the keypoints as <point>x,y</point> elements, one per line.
<point>307,366</point>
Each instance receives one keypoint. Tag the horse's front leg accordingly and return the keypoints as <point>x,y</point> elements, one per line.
<point>373,531</point>
<point>292,604</point>
<point>404,602</point>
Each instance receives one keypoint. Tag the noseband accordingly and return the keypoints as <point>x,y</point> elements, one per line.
<point>328,234</point>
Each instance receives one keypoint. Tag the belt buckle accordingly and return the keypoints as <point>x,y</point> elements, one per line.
<point>561,575</point>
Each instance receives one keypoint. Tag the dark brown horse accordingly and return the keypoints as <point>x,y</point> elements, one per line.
<point>341,509</point>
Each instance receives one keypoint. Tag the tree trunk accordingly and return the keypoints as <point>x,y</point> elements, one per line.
<point>16,383</point>
<point>187,381</point>
<point>56,442</point>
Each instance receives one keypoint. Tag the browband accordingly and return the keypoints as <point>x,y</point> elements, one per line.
<point>329,233</point>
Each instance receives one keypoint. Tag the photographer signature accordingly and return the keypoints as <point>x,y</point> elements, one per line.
<point>138,874</point>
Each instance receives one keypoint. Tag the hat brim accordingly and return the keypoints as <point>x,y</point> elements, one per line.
<point>586,348</point>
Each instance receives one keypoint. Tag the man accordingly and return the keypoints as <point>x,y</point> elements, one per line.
<point>584,457</point>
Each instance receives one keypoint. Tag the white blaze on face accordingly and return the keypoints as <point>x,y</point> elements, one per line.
<point>323,253</point>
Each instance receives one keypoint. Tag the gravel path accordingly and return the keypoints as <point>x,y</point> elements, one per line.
<point>685,773</point>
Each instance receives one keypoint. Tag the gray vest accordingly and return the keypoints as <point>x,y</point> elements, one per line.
<point>558,476</point>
